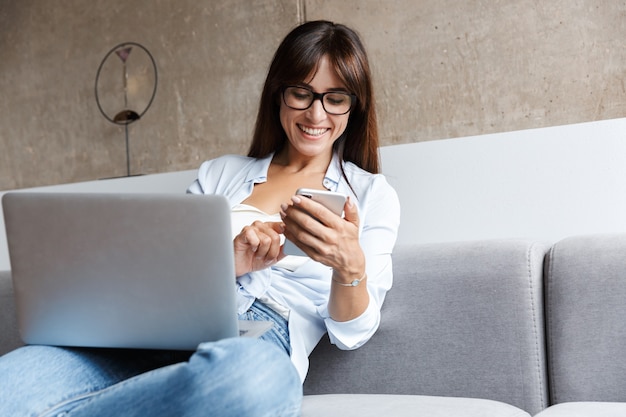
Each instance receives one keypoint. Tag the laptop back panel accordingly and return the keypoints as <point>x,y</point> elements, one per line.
<point>121,270</point>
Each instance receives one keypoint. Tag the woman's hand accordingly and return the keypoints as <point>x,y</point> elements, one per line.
<point>258,247</point>
<point>333,241</point>
<point>326,237</point>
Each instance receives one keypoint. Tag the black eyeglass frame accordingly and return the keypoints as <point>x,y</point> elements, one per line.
<point>320,97</point>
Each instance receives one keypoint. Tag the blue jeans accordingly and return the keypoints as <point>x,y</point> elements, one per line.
<point>231,377</point>
<point>279,334</point>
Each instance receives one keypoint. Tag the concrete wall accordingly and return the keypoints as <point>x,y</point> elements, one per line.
<point>542,184</point>
<point>443,69</point>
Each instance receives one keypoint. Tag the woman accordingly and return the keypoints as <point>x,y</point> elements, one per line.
<point>316,128</point>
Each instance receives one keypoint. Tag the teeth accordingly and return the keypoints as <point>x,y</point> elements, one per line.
<point>314,132</point>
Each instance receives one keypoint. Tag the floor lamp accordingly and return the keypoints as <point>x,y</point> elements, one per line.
<point>125,102</point>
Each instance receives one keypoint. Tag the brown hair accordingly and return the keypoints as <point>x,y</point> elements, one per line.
<point>296,58</point>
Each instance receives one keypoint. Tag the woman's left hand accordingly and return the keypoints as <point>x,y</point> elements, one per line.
<point>326,237</point>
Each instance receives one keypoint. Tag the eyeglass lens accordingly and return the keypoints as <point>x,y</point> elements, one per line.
<point>299,98</point>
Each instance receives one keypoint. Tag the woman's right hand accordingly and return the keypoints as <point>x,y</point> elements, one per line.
<point>258,247</point>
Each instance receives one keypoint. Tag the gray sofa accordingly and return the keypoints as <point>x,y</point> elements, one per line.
<point>484,328</point>
<point>536,330</point>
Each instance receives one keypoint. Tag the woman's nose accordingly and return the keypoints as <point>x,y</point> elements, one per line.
<point>316,112</point>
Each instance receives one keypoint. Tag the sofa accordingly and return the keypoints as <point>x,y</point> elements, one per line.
<point>487,328</point>
<point>509,281</point>
<point>503,327</point>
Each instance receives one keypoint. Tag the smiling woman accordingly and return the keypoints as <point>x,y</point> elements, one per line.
<point>312,131</point>
<point>295,63</point>
<point>316,128</point>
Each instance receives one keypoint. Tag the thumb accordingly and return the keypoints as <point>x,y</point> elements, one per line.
<point>278,227</point>
<point>351,212</point>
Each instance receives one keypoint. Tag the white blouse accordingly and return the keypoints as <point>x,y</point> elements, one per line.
<point>302,286</point>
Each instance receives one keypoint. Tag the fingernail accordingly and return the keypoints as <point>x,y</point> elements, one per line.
<point>295,199</point>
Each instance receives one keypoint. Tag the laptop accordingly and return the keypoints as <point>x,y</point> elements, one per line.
<point>151,271</point>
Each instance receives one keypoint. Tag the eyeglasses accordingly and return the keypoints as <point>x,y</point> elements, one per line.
<point>336,103</point>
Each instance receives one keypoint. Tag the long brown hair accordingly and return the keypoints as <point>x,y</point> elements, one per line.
<point>298,57</point>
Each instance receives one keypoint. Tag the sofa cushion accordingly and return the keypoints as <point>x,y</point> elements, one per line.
<point>585,409</point>
<point>361,405</point>
<point>462,320</point>
<point>9,336</point>
<point>586,318</point>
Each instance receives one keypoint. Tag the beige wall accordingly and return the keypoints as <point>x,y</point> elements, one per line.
<point>443,69</point>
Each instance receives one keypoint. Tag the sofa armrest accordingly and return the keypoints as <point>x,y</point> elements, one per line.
<point>9,335</point>
<point>585,311</point>
<point>462,319</point>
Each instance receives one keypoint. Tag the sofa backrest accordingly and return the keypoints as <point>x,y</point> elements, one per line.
<point>586,318</point>
<point>462,319</point>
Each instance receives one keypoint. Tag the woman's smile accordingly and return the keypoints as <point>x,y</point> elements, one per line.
<point>311,131</point>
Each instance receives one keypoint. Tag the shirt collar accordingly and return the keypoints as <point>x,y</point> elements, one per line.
<point>333,173</point>
<point>258,173</point>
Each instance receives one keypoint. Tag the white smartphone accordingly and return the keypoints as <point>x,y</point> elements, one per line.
<point>330,199</point>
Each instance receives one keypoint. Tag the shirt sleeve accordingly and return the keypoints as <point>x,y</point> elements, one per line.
<point>379,213</point>
<point>251,286</point>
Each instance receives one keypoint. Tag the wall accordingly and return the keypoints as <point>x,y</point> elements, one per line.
<point>442,68</point>
<point>542,184</point>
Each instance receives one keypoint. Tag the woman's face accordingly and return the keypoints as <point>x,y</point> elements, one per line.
<point>312,132</point>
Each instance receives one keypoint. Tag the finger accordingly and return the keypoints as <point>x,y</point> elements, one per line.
<point>269,240</point>
<point>314,210</point>
<point>278,227</point>
<point>250,238</point>
<point>351,212</point>
<point>292,217</point>
<point>299,224</point>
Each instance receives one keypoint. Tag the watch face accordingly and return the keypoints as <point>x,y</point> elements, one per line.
<point>352,284</point>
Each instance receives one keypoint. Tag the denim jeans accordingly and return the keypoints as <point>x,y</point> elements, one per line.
<point>231,377</point>
<point>279,334</point>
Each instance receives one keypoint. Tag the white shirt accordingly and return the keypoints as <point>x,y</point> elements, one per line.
<point>305,290</point>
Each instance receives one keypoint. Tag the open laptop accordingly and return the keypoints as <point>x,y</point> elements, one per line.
<point>123,270</point>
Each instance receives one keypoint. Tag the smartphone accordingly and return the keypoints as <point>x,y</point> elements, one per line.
<point>331,200</point>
